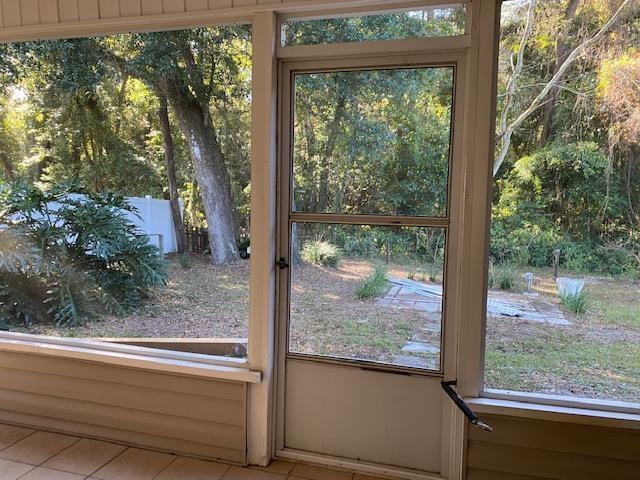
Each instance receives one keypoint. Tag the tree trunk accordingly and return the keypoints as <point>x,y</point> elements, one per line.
<point>211,172</point>
<point>325,162</point>
<point>562,52</point>
<point>169,161</point>
<point>7,167</point>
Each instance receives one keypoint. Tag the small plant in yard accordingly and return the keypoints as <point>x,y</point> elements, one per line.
<point>319,252</point>
<point>503,278</point>
<point>374,285</point>
<point>576,302</point>
<point>411,275</point>
<point>432,272</point>
<point>185,261</point>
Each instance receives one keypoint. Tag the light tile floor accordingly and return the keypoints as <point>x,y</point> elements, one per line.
<point>27,454</point>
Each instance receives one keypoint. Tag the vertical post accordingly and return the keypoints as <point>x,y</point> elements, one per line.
<point>479,133</point>
<point>161,244</point>
<point>263,235</point>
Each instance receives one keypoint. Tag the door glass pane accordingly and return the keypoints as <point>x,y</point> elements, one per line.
<point>368,293</point>
<point>373,141</point>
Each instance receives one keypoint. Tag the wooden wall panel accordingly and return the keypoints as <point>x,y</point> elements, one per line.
<point>197,5</point>
<point>109,8</point>
<point>48,11</point>
<point>130,8</point>
<point>217,4</point>
<point>11,13</point>
<point>151,7</point>
<point>182,414</point>
<point>88,10</point>
<point>32,13</point>
<point>524,449</point>
<point>68,10</point>
<point>29,12</point>
<point>173,6</point>
<point>244,3</point>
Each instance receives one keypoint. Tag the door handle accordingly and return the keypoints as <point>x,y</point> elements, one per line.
<point>282,263</point>
<point>447,386</point>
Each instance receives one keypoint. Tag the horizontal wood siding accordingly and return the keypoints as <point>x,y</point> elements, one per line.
<point>526,449</point>
<point>180,414</point>
<point>15,13</point>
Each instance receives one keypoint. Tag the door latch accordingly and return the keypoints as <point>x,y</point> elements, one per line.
<point>473,418</point>
<point>282,263</point>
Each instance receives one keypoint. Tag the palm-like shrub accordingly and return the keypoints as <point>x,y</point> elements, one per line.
<point>65,257</point>
<point>375,285</point>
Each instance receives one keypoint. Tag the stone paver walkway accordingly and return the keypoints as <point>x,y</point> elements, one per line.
<point>426,299</point>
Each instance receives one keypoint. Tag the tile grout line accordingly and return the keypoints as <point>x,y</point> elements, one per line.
<point>93,471</point>
<point>108,461</point>
<point>20,439</point>
<point>175,457</point>
<point>63,450</point>
<point>27,472</point>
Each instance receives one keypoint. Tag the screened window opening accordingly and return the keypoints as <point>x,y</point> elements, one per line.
<point>368,293</point>
<point>429,22</point>
<point>362,145</point>
<point>370,162</point>
<point>563,314</point>
<point>126,188</point>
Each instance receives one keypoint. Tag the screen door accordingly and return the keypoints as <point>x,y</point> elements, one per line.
<point>367,253</point>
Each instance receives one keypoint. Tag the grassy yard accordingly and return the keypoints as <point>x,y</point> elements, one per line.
<point>328,319</point>
<point>597,355</point>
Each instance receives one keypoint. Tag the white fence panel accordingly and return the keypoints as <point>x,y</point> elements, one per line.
<point>154,219</point>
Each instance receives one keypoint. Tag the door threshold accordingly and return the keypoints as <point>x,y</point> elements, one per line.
<point>356,466</point>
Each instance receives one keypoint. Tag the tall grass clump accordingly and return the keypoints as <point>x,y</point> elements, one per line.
<point>319,252</point>
<point>577,303</point>
<point>503,278</point>
<point>185,261</point>
<point>374,285</point>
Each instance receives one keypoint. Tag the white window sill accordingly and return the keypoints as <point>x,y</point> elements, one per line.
<point>539,411</point>
<point>192,364</point>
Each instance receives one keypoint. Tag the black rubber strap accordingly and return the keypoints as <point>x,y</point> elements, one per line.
<point>447,386</point>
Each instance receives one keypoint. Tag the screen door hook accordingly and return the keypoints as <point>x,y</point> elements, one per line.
<point>447,386</point>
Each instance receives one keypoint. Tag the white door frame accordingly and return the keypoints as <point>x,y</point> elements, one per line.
<point>415,52</point>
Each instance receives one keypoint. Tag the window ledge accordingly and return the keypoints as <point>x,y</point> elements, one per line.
<point>168,361</point>
<point>555,413</point>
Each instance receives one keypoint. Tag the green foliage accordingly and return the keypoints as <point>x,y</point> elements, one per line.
<point>319,252</point>
<point>374,285</point>
<point>576,303</point>
<point>446,21</point>
<point>65,257</point>
<point>503,277</point>
<point>185,261</point>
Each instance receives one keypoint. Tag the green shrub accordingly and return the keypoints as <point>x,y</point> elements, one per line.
<point>65,257</point>
<point>318,252</point>
<point>185,261</point>
<point>374,285</point>
<point>432,271</point>
<point>576,303</point>
<point>502,277</point>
